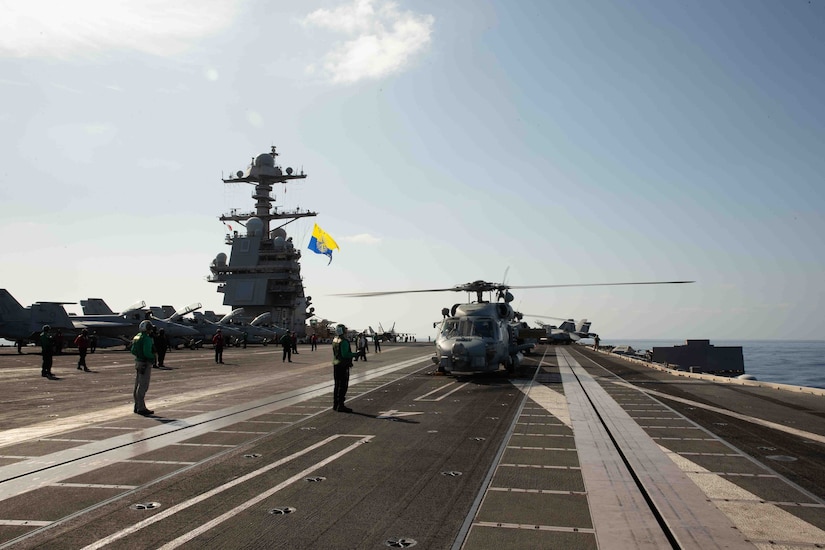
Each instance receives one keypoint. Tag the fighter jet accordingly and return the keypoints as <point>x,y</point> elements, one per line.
<point>124,325</point>
<point>387,335</point>
<point>205,327</point>
<point>255,331</point>
<point>568,331</point>
<point>19,324</point>
<point>25,323</point>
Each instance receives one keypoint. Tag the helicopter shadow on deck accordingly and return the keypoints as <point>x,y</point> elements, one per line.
<point>498,378</point>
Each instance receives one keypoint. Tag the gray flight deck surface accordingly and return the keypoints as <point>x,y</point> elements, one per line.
<point>577,450</point>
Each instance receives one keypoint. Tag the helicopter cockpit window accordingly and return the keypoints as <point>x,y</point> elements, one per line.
<point>483,328</point>
<point>450,329</point>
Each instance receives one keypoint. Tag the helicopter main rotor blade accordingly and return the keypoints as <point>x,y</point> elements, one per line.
<point>388,292</point>
<point>488,287</point>
<point>607,284</point>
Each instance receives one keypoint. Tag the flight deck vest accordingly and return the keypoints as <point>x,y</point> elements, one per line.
<point>337,353</point>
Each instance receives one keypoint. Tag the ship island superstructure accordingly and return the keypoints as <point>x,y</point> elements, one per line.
<point>263,274</point>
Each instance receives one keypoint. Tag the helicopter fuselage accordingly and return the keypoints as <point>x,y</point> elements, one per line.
<point>477,337</point>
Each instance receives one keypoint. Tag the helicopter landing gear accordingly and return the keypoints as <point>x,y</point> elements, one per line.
<point>510,366</point>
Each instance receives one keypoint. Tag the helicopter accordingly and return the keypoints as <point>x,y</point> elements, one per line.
<point>482,336</point>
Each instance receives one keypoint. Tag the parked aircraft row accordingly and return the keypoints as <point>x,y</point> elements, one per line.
<point>387,335</point>
<point>24,324</point>
<point>568,331</point>
<point>324,328</point>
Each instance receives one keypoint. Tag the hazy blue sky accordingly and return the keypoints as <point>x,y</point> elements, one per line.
<point>444,142</point>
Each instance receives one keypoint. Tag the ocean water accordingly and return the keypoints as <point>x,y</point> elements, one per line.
<point>795,362</point>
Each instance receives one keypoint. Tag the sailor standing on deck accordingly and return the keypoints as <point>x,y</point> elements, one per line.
<point>218,341</point>
<point>161,347</point>
<point>361,347</point>
<point>143,348</point>
<point>82,343</point>
<point>286,342</point>
<point>341,363</point>
<point>47,351</point>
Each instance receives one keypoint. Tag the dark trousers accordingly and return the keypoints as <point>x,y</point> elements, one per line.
<point>287,354</point>
<point>81,362</point>
<point>47,364</point>
<point>161,357</point>
<point>219,354</point>
<point>341,377</point>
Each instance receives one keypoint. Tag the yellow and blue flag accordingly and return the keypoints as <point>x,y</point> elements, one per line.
<point>322,243</point>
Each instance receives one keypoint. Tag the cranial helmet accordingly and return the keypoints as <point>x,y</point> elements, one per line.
<point>46,328</point>
<point>340,330</point>
<point>145,326</point>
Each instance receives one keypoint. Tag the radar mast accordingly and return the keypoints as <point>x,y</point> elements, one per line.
<point>263,274</point>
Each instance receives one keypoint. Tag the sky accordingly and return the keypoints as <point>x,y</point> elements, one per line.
<point>531,143</point>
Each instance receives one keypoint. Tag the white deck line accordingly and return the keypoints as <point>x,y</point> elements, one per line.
<point>217,490</point>
<point>694,522</point>
<point>620,515</point>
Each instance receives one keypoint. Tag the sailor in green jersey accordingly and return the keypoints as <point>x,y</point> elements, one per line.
<point>143,348</point>
<point>341,363</point>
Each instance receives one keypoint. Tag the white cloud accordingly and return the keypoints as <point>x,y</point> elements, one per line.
<point>211,74</point>
<point>60,29</point>
<point>255,118</point>
<point>382,39</point>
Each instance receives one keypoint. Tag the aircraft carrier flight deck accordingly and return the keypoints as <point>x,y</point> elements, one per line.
<point>577,449</point>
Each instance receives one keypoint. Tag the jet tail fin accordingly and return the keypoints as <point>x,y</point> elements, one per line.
<point>10,308</point>
<point>15,320</point>
<point>95,306</point>
<point>162,313</point>
<point>569,326</point>
<point>51,313</point>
